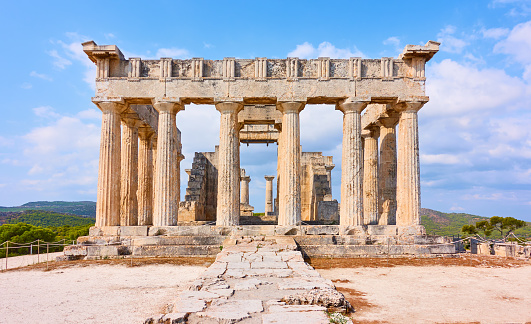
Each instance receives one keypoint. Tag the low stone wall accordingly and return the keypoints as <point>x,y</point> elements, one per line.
<point>512,250</point>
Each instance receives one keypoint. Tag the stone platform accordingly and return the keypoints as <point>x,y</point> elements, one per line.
<point>257,280</point>
<point>312,240</point>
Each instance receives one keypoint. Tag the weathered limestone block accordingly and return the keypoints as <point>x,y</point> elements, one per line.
<point>351,212</point>
<point>290,191</point>
<point>387,171</point>
<point>167,184</point>
<point>108,196</point>
<point>228,204</point>
<point>129,172</point>
<point>145,176</point>
<point>408,177</point>
<point>370,177</point>
<point>269,195</point>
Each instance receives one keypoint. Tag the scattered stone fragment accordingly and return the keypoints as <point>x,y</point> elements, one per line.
<point>326,297</point>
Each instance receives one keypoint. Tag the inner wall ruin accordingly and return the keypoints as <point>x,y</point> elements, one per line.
<point>259,101</point>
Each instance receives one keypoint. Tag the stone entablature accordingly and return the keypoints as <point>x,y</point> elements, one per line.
<point>319,81</point>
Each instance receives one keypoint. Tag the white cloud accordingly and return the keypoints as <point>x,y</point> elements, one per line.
<point>26,85</point>
<point>395,43</point>
<point>456,208</point>
<point>59,62</point>
<point>325,49</point>
<point>207,45</point>
<point>495,33</point>
<point>456,88</point>
<point>518,46</point>
<point>40,76</point>
<point>109,35</point>
<point>450,43</point>
<point>45,111</point>
<point>173,52</point>
<point>74,51</point>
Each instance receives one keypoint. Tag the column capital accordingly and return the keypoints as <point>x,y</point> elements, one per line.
<point>353,104</point>
<point>330,167</point>
<point>371,131</point>
<point>131,121</point>
<point>229,106</point>
<point>410,104</point>
<point>168,104</point>
<point>145,132</point>
<point>245,178</point>
<point>269,178</point>
<point>114,104</point>
<point>290,106</point>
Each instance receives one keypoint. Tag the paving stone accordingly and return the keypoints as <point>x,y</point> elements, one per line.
<point>225,317</point>
<point>174,318</point>
<point>232,257</point>
<point>189,305</point>
<point>239,265</point>
<point>272,258</point>
<point>295,283</point>
<point>252,257</point>
<point>291,256</point>
<point>279,273</point>
<point>247,284</point>
<point>222,292</point>
<point>269,265</point>
<point>236,273</point>
<point>203,295</point>
<point>295,317</point>
<point>295,308</point>
<point>249,306</point>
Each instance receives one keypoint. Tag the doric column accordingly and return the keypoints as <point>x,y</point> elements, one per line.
<point>167,177</point>
<point>228,205</point>
<point>129,178</point>
<point>280,159</point>
<point>244,199</point>
<point>145,176</point>
<point>351,212</point>
<point>329,169</point>
<point>269,194</point>
<point>387,171</point>
<point>408,171</point>
<point>108,196</point>
<point>370,176</point>
<point>290,190</point>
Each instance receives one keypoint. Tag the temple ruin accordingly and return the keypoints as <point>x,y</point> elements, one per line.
<point>259,101</point>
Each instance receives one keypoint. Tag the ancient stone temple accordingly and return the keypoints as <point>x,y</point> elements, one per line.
<point>259,101</point>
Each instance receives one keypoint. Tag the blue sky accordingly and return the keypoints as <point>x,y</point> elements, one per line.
<point>475,138</point>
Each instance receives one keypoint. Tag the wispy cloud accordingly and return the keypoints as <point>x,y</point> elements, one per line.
<point>449,42</point>
<point>325,49</point>
<point>40,76</point>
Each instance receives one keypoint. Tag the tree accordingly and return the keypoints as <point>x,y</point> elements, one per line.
<point>504,225</point>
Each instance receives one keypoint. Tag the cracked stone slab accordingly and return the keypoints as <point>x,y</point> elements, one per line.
<point>238,265</point>
<point>225,317</point>
<point>236,273</point>
<point>203,295</point>
<point>279,273</point>
<point>232,257</point>
<point>269,265</point>
<point>249,306</point>
<point>315,317</point>
<point>226,293</point>
<point>189,305</point>
<point>247,284</point>
<point>298,284</point>
<point>296,308</point>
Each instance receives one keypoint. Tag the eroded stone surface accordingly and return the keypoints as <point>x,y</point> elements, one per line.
<point>281,291</point>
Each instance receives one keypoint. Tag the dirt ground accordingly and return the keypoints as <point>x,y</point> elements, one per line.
<point>469,289</point>
<point>401,290</point>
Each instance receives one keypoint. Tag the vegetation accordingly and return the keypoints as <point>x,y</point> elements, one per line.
<point>46,219</point>
<point>448,224</point>
<point>503,225</point>
<point>25,233</point>
<point>80,208</point>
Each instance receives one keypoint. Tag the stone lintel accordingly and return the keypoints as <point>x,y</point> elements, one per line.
<point>94,50</point>
<point>427,51</point>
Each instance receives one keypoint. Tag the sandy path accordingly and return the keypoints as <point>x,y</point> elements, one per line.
<point>406,294</point>
<point>95,294</point>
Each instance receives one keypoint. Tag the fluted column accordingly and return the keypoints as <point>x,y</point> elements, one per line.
<point>145,176</point>
<point>387,171</point>
<point>244,199</point>
<point>167,178</point>
<point>370,177</point>
<point>228,204</point>
<point>408,171</point>
<point>290,190</point>
<point>269,194</point>
<point>129,172</point>
<point>108,196</point>
<point>351,212</point>
<point>280,159</point>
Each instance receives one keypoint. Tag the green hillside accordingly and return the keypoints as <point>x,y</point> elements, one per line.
<point>44,218</point>
<point>448,224</point>
<point>80,208</point>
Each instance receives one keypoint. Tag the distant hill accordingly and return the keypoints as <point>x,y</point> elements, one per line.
<point>80,208</point>
<point>448,224</point>
<point>44,218</point>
